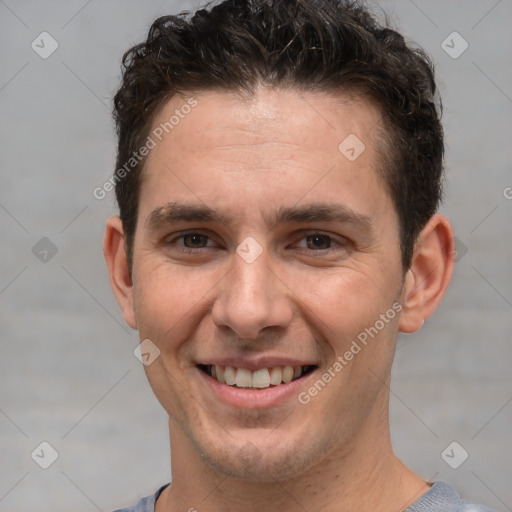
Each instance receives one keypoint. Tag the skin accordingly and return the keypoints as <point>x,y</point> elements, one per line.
<point>247,156</point>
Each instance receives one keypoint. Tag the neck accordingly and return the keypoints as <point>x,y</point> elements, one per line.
<point>364,476</point>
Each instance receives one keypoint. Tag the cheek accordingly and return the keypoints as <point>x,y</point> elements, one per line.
<point>345,302</point>
<point>167,304</point>
<point>158,299</point>
<point>346,310</point>
<point>168,301</point>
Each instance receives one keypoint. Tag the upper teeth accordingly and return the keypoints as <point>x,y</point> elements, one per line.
<point>262,378</point>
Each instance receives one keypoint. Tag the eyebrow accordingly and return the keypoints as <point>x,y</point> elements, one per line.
<point>309,213</point>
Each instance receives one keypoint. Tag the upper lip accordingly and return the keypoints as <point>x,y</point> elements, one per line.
<point>255,363</point>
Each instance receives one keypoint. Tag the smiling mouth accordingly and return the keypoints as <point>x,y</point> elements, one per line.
<point>263,378</point>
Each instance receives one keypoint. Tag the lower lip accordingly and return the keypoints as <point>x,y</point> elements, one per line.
<point>243,398</point>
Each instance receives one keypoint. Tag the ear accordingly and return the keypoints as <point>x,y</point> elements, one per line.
<point>118,269</point>
<point>430,272</point>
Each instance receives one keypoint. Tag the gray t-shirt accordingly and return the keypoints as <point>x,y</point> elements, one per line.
<point>441,497</point>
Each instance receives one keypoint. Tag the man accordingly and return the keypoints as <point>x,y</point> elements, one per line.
<point>279,172</point>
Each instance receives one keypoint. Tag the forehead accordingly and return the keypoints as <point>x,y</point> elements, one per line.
<point>270,147</point>
<point>280,116</point>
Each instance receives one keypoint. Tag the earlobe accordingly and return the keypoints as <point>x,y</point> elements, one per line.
<point>429,275</point>
<point>118,268</point>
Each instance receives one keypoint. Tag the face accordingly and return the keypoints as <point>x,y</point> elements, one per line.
<point>260,246</point>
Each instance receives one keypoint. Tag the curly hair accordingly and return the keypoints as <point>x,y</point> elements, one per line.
<point>334,46</point>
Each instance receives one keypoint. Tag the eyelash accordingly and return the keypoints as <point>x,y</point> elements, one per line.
<point>342,244</point>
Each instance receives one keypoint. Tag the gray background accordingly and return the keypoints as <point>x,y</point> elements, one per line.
<point>68,373</point>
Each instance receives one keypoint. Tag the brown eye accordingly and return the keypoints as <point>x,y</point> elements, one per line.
<point>318,241</point>
<point>194,240</point>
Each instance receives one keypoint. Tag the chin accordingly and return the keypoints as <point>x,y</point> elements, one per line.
<point>257,461</point>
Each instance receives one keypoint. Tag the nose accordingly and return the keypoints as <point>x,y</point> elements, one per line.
<point>252,298</point>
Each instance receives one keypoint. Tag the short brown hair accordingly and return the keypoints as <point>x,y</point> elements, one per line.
<point>315,45</point>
